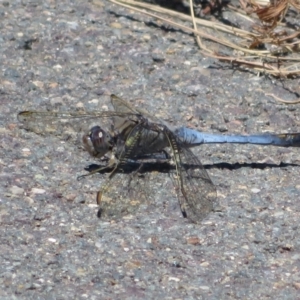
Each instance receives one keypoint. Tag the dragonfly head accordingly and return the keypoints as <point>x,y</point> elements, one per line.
<point>97,141</point>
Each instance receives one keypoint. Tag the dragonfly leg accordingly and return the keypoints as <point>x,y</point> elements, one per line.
<point>93,172</point>
<point>111,164</point>
<point>182,204</point>
<point>184,214</point>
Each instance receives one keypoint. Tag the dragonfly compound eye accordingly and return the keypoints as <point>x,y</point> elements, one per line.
<point>97,142</point>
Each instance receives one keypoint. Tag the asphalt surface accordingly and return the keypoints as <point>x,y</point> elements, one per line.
<point>71,55</point>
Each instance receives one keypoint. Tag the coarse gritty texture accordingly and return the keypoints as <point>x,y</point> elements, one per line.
<point>73,54</point>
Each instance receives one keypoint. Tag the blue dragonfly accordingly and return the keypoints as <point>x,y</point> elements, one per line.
<point>135,140</point>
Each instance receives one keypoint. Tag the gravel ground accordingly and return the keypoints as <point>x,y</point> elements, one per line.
<point>73,54</point>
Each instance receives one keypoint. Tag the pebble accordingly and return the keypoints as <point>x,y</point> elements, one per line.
<point>15,190</point>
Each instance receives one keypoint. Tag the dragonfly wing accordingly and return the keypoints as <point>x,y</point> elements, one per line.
<point>124,190</point>
<point>196,192</point>
<point>67,126</point>
<point>123,125</point>
<point>122,106</point>
<point>122,194</point>
<point>52,116</point>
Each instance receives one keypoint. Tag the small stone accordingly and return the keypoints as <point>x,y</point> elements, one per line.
<point>158,57</point>
<point>38,83</point>
<point>70,197</point>
<point>194,240</point>
<point>133,264</point>
<point>115,25</point>
<point>57,67</point>
<point>29,200</point>
<point>94,101</point>
<point>88,44</point>
<point>37,191</point>
<point>53,85</point>
<point>296,285</point>
<point>146,37</point>
<point>15,190</point>
<point>278,214</point>
<point>174,279</point>
<point>11,126</point>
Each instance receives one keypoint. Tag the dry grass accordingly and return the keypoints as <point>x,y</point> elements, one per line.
<point>265,45</point>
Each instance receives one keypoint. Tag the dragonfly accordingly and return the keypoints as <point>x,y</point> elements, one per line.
<point>135,139</point>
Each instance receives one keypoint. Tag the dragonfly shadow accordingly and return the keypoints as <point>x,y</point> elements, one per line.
<point>165,167</point>
<point>236,166</point>
<point>131,167</point>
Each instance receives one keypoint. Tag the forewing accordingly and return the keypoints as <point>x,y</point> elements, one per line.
<point>196,192</point>
<point>67,126</point>
<point>122,106</point>
<point>122,123</point>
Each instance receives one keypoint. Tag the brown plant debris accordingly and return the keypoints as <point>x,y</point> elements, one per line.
<point>258,41</point>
